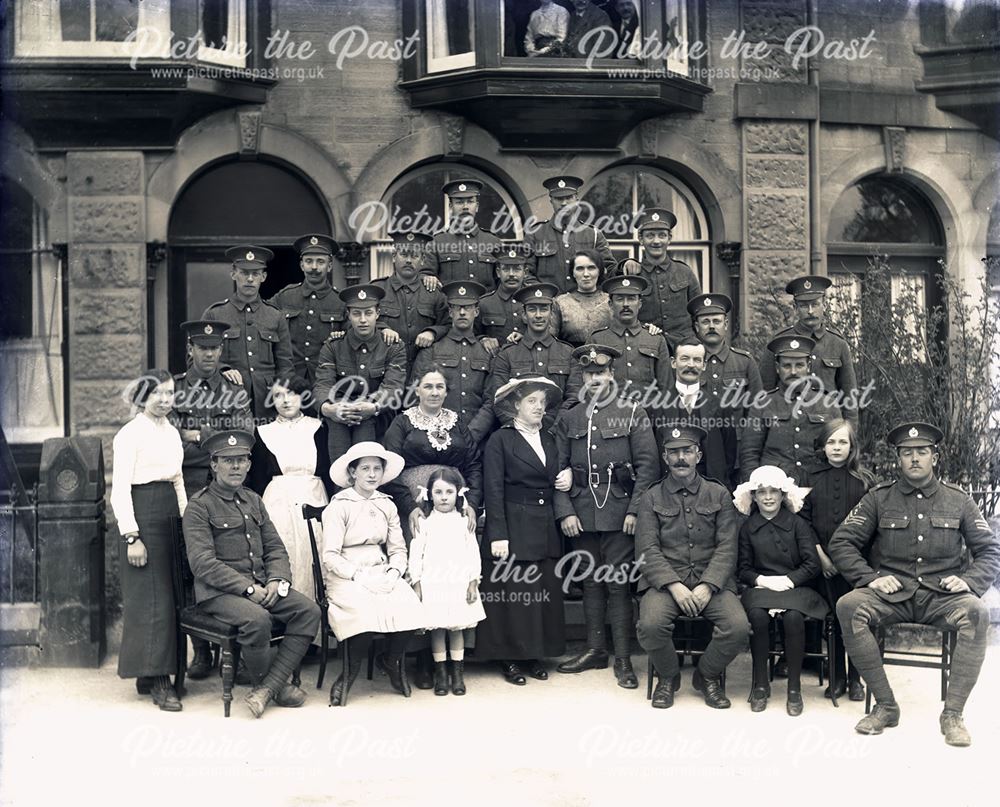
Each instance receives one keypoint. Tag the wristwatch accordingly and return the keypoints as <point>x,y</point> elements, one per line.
<point>283,588</point>
<point>130,539</point>
<point>251,590</point>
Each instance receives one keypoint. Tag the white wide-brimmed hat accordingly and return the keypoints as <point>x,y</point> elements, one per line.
<point>769,476</point>
<point>393,462</point>
<point>530,384</point>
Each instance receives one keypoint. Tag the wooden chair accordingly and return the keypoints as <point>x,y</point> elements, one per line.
<point>916,658</point>
<point>826,627</point>
<point>684,642</point>
<point>193,621</point>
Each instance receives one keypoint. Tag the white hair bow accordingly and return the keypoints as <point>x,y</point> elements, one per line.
<point>422,493</point>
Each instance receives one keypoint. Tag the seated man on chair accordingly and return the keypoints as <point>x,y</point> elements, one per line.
<point>686,545</point>
<point>901,548</point>
<point>241,573</point>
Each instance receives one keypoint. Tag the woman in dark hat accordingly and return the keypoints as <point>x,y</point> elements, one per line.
<point>147,497</point>
<point>520,589</point>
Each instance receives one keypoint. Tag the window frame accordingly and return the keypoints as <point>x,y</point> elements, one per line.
<point>235,52</point>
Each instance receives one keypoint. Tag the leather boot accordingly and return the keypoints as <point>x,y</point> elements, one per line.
<point>625,674</point>
<point>424,674</point>
<point>201,665</point>
<point>337,691</point>
<point>587,660</point>
<point>663,695</point>
<point>711,689</point>
<point>290,653</point>
<point>290,696</point>
<point>458,678</point>
<point>164,695</point>
<point>793,702</point>
<point>855,690</point>
<point>440,678</point>
<point>954,730</point>
<point>393,667</point>
<point>883,716</point>
<point>758,698</point>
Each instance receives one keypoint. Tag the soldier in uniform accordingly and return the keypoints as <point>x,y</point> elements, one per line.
<point>242,576</point>
<point>256,342</point>
<point>783,430</point>
<point>360,379</point>
<point>409,311</point>
<point>555,242</point>
<point>205,401</point>
<point>313,308</point>
<point>644,369</point>
<point>607,444</point>
<point>686,541</point>
<point>538,352</point>
<point>672,283</point>
<point>464,251</point>
<point>831,357</point>
<point>462,360</point>
<point>500,315</point>
<point>916,550</point>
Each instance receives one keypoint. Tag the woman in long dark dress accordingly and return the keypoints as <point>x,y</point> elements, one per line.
<point>147,497</point>
<point>520,588</point>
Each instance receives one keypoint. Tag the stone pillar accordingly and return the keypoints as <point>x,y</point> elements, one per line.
<point>775,175</point>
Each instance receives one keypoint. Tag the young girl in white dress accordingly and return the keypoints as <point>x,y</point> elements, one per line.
<point>444,571</point>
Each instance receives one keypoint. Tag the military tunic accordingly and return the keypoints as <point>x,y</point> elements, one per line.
<point>671,286</point>
<point>312,315</point>
<point>409,309</point>
<point>354,369</point>
<point>832,363</point>
<point>465,256</point>
<point>783,432</point>
<point>257,343</point>
<point>500,315</point>
<point>553,251</point>
<point>645,360</point>
<point>207,405</point>
<point>466,367</point>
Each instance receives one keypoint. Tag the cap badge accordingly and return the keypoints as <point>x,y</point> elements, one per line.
<point>512,253</point>
<point>593,353</point>
<point>538,292</point>
<point>250,256</point>
<point>232,440</point>
<point>807,284</point>
<point>793,344</point>
<point>655,217</point>
<point>462,187</point>
<point>461,290</point>
<point>208,330</point>
<point>362,295</point>
<point>675,433</point>
<point>409,236</point>
<point>314,240</point>
<point>626,282</point>
<point>561,183</point>
<point>913,432</point>
<point>707,303</point>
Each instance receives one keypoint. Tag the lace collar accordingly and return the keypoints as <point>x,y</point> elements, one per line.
<point>438,427</point>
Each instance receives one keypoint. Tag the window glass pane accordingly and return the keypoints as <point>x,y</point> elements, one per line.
<point>15,274</point>
<point>676,35</point>
<point>74,15</point>
<point>115,19</point>
<point>611,195</point>
<point>215,23</point>
<point>881,210</point>
<point>423,192</point>
<point>654,191</point>
<point>451,27</point>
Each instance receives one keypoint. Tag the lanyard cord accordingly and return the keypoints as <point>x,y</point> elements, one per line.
<point>611,465</point>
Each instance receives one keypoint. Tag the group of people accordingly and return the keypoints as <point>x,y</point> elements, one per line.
<point>495,421</point>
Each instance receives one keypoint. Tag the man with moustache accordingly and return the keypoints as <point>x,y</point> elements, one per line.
<point>242,576</point>
<point>686,541</point>
<point>831,359</point>
<point>672,284</point>
<point>408,311</point>
<point>500,315</point>
<point>555,242</point>
<point>538,352</point>
<point>689,402</point>
<point>313,308</point>
<point>256,342</point>
<point>462,359</point>
<point>783,430</point>
<point>360,379</point>
<point>607,446</point>
<point>583,17</point>
<point>464,251</point>
<point>916,550</point>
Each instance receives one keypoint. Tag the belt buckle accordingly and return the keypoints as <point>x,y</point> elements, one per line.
<point>595,479</point>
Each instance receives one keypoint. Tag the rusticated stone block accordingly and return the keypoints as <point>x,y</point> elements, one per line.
<point>95,221</point>
<point>772,23</point>
<point>775,138</point>
<point>777,65</point>
<point>776,221</point>
<point>100,403</point>
<point>773,172</point>
<point>108,312</point>
<point>108,356</point>
<point>104,173</point>
<point>107,266</point>
<point>769,307</point>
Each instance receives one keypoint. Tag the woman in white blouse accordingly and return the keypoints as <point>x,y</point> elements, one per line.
<point>547,29</point>
<point>147,496</point>
<point>364,557</point>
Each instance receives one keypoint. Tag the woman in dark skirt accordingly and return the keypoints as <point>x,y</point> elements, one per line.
<point>777,560</point>
<point>520,589</point>
<point>837,482</point>
<point>147,496</point>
